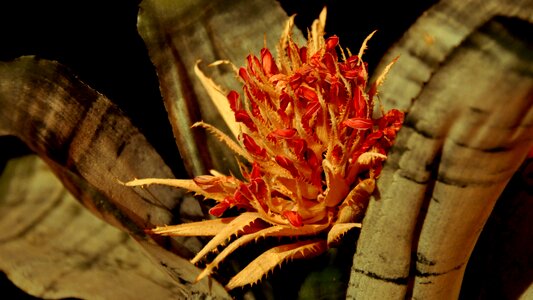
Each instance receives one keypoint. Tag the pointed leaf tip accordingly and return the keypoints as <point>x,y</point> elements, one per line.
<point>267,261</point>
<point>219,99</point>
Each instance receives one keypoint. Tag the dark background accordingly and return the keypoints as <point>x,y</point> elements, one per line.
<point>98,41</point>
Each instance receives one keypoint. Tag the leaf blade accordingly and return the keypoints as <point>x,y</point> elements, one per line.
<point>267,261</point>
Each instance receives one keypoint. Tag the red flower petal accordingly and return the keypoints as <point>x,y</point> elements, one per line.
<point>253,64</point>
<point>309,114</point>
<point>332,42</point>
<point>282,133</point>
<point>303,54</point>
<point>252,147</point>
<point>219,209</point>
<point>269,65</point>
<point>243,117</point>
<point>298,146</point>
<point>287,164</point>
<point>307,94</point>
<point>330,61</point>
<point>295,81</point>
<point>256,171</point>
<point>244,75</point>
<point>234,103</point>
<point>359,123</point>
<point>359,103</point>
<point>294,218</point>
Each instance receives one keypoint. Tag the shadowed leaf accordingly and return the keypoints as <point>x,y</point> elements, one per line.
<point>90,145</point>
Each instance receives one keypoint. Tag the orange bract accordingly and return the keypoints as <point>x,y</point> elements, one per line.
<point>307,131</point>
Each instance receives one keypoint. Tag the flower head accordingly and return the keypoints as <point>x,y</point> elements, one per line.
<point>313,148</point>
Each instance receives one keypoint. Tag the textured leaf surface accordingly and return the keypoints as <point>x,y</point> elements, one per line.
<point>52,247</point>
<point>338,230</point>
<point>90,145</point>
<point>236,226</point>
<point>87,141</point>
<point>467,132</point>
<point>274,231</point>
<point>267,261</point>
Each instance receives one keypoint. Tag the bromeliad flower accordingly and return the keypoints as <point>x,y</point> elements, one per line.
<point>313,144</point>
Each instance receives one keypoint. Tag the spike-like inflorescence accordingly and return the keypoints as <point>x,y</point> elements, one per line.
<point>314,144</point>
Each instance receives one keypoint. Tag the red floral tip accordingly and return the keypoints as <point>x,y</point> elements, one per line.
<point>219,209</point>
<point>252,147</point>
<point>308,116</point>
<point>287,164</point>
<point>294,218</point>
<point>269,65</point>
<point>282,134</point>
<point>234,103</point>
<point>359,123</point>
<point>332,42</point>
